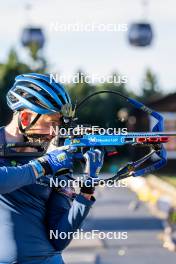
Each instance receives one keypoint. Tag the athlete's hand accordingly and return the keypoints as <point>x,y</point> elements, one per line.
<point>94,162</point>
<point>53,162</point>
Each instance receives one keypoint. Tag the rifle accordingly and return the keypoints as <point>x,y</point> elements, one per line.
<point>156,139</point>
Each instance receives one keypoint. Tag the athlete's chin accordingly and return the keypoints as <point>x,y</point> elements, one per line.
<point>40,137</point>
<point>46,138</point>
<point>49,138</point>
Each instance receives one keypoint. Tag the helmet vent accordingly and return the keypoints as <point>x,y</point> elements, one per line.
<point>55,90</point>
<point>34,91</point>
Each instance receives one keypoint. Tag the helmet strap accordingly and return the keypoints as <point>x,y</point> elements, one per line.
<point>23,130</point>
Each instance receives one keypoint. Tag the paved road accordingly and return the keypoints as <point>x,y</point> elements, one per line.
<point>111,213</point>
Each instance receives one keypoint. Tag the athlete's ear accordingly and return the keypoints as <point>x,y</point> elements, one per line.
<point>25,118</point>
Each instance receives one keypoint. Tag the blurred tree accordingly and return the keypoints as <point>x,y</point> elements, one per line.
<point>101,109</point>
<point>150,86</point>
<point>38,62</point>
<point>8,71</point>
<point>80,87</point>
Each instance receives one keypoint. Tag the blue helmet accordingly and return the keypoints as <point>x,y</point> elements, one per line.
<point>36,92</point>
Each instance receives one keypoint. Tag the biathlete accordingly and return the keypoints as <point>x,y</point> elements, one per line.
<point>29,208</point>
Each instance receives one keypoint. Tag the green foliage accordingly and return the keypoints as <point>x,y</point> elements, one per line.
<point>8,71</point>
<point>101,109</point>
<point>150,87</point>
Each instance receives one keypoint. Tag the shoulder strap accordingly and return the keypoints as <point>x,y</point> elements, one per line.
<point>3,161</point>
<point>2,135</point>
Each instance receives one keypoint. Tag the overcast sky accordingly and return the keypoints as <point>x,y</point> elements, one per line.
<point>97,53</point>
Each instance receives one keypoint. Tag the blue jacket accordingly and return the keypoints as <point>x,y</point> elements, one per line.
<point>29,212</point>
